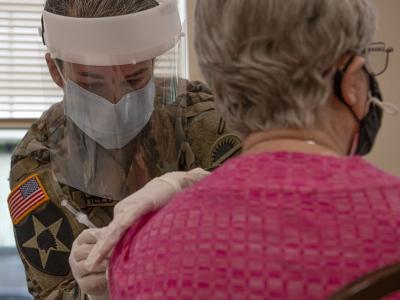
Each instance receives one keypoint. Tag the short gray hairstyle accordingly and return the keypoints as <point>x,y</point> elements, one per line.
<point>97,8</point>
<point>266,60</point>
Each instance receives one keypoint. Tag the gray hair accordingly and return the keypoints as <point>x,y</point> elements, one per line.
<point>97,8</point>
<point>266,60</point>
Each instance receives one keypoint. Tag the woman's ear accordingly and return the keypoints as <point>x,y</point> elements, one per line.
<point>351,81</point>
<point>53,70</point>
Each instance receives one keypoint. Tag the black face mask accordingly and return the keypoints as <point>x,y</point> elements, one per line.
<point>372,122</point>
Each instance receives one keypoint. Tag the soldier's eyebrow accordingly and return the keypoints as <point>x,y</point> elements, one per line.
<point>90,75</point>
<point>133,75</point>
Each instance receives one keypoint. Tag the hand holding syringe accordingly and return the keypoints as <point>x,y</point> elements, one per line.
<point>80,216</point>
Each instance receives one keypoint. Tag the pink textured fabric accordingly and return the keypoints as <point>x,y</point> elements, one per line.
<point>266,226</point>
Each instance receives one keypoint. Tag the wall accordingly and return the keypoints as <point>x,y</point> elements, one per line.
<point>387,151</point>
<point>386,154</point>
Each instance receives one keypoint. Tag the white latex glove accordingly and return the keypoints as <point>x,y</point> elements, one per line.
<point>91,282</point>
<point>151,197</point>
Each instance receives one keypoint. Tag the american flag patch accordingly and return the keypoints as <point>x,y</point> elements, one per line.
<point>26,197</point>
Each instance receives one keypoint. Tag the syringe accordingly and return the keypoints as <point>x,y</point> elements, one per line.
<point>80,216</point>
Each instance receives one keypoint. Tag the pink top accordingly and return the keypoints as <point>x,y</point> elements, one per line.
<point>266,226</point>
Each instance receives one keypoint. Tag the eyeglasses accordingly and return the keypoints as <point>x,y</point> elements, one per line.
<point>377,58</point>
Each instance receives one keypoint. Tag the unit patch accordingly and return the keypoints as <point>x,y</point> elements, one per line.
<point>45,239</point>
<point>224,148</point>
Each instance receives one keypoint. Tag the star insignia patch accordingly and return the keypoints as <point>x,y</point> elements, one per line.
<point>45,239</point>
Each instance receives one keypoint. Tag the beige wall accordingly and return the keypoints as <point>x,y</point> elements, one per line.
<point>387,151</point>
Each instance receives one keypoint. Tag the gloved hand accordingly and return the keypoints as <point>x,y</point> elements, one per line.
<point>151,197</point>
<point>91,282</point>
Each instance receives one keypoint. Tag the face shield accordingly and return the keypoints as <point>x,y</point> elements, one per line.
<point>117,74</point>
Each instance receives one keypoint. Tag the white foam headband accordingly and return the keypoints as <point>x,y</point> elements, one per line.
<point>112,41</point>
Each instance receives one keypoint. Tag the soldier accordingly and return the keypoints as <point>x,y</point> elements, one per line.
<point>119,125</point>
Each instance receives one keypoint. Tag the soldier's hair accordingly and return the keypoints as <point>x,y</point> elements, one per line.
<point>97,8</point>
<point>265,59</point>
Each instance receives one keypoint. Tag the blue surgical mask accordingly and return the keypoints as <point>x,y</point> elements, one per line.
<point>112,126</point>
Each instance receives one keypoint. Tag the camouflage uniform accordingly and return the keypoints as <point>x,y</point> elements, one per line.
<point>179,137</point>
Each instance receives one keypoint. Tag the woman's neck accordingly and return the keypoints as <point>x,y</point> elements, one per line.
<point>292,140</point>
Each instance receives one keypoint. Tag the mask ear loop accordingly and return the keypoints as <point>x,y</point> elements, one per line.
<point>338,91</point>
<point>338,79</point>
<point>389,108</point>
<point>60,72</point>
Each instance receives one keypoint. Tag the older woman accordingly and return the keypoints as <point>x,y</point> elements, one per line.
<point>298,215</point>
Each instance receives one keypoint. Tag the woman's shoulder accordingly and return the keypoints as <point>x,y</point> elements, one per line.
<point>308,171</point>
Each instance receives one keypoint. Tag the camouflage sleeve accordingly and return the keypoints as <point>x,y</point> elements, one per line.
<point>44,232</point>
<point>208,143</point>
<point>44,235</point>
<point>67,289</point>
